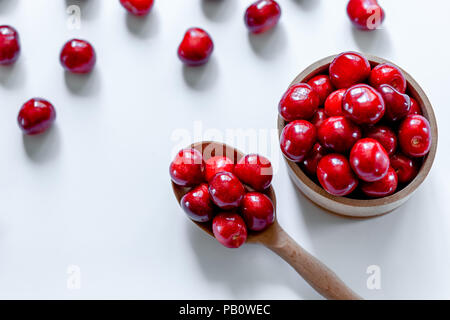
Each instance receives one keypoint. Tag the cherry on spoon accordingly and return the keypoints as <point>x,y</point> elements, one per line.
<point>319,276</point>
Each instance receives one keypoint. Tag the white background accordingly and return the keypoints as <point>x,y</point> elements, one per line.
<point>95,191</point>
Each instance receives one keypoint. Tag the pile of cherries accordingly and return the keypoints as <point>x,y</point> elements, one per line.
<point>231,195</point>
<point>355,127</point>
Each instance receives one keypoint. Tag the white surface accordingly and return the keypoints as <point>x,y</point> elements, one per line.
<point>95,192</point>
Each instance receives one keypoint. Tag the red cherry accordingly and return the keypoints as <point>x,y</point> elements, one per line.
<point>338,134</point>
<point>229,229</point>
<point>196,47</point>
<point>381,188</point>
<point>333,104</point>
<point>414,136</point>
<point>36,116</point>
<point>405,168</point>
<point>369,160</point>
<point>318,118</point>
<point>257,210</point>
<point>255,171</point>
<point>187,169</point>
<point>415,108</point>
<point>226,190</point>
<point>323,86</point>
<point>311,161</point>
<point>363,104</point>
<point>78,56</point>
<point>9,45</point>
<point>138,7</point>
<point>365,14</point>
<point>386,73</point>
<point>397,104</point>
<point>297,139</point>
<point>384,135</point>
<point>262,16</point>
<point>335,175</point>
<point>300,102</point>
<point>217,164</point>
<point>349,68</point>
<point>197,204</point>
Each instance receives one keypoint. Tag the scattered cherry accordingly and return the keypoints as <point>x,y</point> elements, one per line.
<point>257,210</point>
<point>405,168</point>
<point>229,229</point>
<point>323,86</point>
<point>9,45</point>
<point>318,118</point>
<point>333,104</point>
<point>138,7</point>
<point>363,104</point>
<point>349,68</point>
<point>387,73</point>
<point>336,176</point>
<point>217,164</point>
<point>414,136</point>
<point>397,104</point>
<point>262,16</point>
<point>311,161</point>
<point>36,116</point>
<point>365,14</point>
<point>187,169</point>
<point>78,56</point>
<point>384,135</point>
<point>369,160</point>
<point>338,134</point>
<point>383,187</point>
<point>255,171</point>
<point>196,47</point>
<point>197,204</point>
<point>226,190</point>
<point>297,139</point>
<point>300,102</point>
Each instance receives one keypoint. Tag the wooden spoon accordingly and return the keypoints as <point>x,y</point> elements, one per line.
<point>319,276</point>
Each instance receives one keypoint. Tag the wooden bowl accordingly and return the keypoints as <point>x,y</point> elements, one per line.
<point>370,207</point>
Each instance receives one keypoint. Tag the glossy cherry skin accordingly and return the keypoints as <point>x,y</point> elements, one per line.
<point>363,105</point>
<point>196,47</point>
<point>338,134</point>
<point>197,204</point>
<point>255,171</point>
<point>384,135</point>
<point>9,45</point>
<point>365,14</point>
<point>387,73</point>
<point>381,188</point>
<point>229,229</point>
<point>188,168</point>
<point>415,108</point>
<point>138,7</point>
<point>414,136</point>
<point>309,164</point>
<point>217,164</point>
<point>405,168</point>
<point>333,104</point>
<point>36,116</point>
<point>78,56</point>
<point>323,86</point>
<point>397,104</point>
<point>349,68</point>
<point>226,190</point>
<point>369,160</point>
<point>297,139</point>
<point>336,176</point>
<point>300,102</point>
<point>262,16</point>
<point>257,210</point>
<point>318,118</point>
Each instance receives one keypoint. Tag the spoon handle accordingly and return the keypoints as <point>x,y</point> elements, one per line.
<point>319,276</point>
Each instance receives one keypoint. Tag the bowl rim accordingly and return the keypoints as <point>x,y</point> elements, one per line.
<point>416,92</point>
